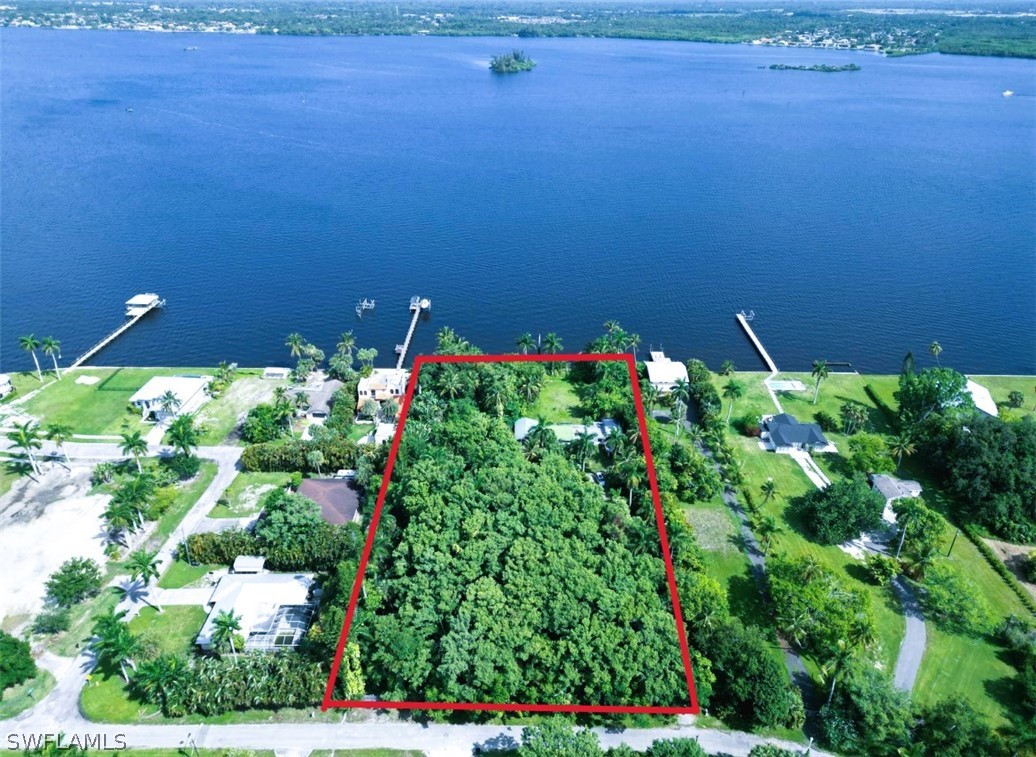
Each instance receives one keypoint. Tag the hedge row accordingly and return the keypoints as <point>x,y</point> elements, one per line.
<point>888,412</point>
<point>327,546</point>
<point>705,396</point>
<point>273,457</point>
<point>998,565</point>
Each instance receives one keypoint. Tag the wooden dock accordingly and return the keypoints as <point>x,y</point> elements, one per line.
<point>417,306</point>
<point>755,340</point>
<point>136,308</point>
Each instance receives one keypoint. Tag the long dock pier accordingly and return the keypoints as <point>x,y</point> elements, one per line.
<point>417,306</point>
<point>755,340</point>
<point>136,308</point>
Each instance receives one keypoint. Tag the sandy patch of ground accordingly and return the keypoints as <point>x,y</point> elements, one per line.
<point>248,502</point>
<point>88,380</point>
<point>1014,556</point>
<point>242,395</point>
<point>42,525</point>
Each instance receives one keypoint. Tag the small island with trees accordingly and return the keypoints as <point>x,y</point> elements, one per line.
<point>822,68</point>
<point>511,63</point>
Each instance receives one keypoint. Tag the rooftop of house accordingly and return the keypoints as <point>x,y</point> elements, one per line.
<point>566,432</point>
<point>892,488</point>
<point>785,431</point>
<point>663,371</point>
<point>183,387</point>
<point>320,399</point>
<point>982,398</point>
<point>274,609</point>
<point>249,564</point>
<point>384,379</point>
<point>339,498</point>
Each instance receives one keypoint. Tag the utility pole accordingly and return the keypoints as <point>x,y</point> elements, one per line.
<point>953,542</point>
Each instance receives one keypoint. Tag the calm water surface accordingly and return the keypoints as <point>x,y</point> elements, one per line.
<point>263,185</point>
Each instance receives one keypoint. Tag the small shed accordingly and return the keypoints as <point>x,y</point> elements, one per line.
<point>249,564</point>
<point>280,374</point>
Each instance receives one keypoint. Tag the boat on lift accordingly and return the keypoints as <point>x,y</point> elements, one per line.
<point>364,304</point>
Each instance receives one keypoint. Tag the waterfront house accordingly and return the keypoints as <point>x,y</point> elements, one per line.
<point>339,498</point>
<point>982,398</point>
<point>320,399</point>
<point>274,609</point>
<point>892,488</point>
<point>663,373</point>
<point>784,434</point>
<point>567,432</point>
<point>382,384</point>
<point>188,391</point>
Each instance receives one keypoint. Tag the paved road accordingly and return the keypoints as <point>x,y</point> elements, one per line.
<point>911,651</point>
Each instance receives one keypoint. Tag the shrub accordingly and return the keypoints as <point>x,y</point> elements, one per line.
<point>103,473</point>
<point>51,620</point>
<point>827,422</point>
<point>163,499</point>
<point>1029,566</point>
<point>1015,398</point>
<point>338,453</point>
<point>74,581</point>
<point>954,601</point>
<point>882,569</point>
<point>295,481</point>
<point>996,564</point>
<point>841,511</point>
<point>867,714</point>
<point>16,663</point>
<point>263,424</point>
<point>184,466</point>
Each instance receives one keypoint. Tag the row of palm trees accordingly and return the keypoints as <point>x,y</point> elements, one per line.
<point>28,437</point>
<point>49,345</point>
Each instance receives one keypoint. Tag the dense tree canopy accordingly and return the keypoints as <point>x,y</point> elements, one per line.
<point>841,511</point>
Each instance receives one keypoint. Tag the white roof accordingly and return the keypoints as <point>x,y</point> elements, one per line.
<point>255,599</point>
<point>184,387</point>
<point>663,371</point>
<point>141,300</point>
<point>4,378</point>
<point>982,398</point>
<point>384,379</point>
<point>249,564</point>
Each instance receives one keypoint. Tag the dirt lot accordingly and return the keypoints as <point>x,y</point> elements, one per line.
<point>1014,556</point>
<point>42,525</point>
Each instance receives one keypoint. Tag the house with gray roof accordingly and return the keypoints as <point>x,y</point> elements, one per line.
<point>892,488</point>
<point>784,434</point>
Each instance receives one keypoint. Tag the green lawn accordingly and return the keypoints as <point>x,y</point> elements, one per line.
<point>17,699</point>
<point>101,408</point>
<point>81,618</point>
<point>186,496</point>
<point>557,402</point>
<point>27,381</point>
<point>219,417</point>
<point>176,627</point>
<point>245,493</point>
<point>187,751</point>
<point>181,574</point>
<point>1001,386</point>
<point>365,753</point>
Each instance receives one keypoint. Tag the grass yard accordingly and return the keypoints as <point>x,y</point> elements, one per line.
<point>182,751</point>
<point>246,492</point>
<point>175,628</point>
<point>1001,386</point>
<point>219,417</point>
<point>557,402</point>
<point>187,494</point>
<point>96,409</point>
<point>17,699</point>
<point>365,753</point>
<point>27,381</point>
<point>181,575</point>
<point>81,618</point>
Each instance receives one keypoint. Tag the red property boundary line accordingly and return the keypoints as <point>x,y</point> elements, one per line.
<point>420,360</point>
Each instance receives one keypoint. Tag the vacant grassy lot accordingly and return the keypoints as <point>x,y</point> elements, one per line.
<point>96,409</point>
<point>175,628</point>
<point>181,574</point>
<point>219,417</point>
<point>1001,386</point>
<point>557,402</point>
<point>25,382</point>
<point>246,492</point>
<point>19,698</point>
<point>187,494</point>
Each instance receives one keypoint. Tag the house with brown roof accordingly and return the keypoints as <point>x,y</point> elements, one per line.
<point>339,498</point>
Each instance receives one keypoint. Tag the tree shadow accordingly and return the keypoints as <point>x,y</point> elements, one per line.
<point>859,572</point>
<point>747,602</point>
<point>502,742</point>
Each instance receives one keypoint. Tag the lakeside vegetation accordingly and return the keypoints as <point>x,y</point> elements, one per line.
<point>511,63</point>
<point>1000,32</point>
<point>822,68</point>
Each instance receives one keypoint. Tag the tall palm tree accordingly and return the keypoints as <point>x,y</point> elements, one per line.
<point>30,344</point>
<point>169,402</point>
<point>26,436</point>
<point>649,395</point>
<point>615,442</point>
<point>682,393</point>
<point>582,446</point>
<point>633,340</point>
<point>812,569</point>
<point>52,347</point>
<point>819,373</point>
<point>112,641</point>
<point>733,391</point>
<point>769,489</point>
<point>529,385</point>
<point>612,326</point>
<point>120,515</point>
<point>144,566</point>
<point>552,346</point>
<point>767,527</point>
<point>901,445</point>
<point>295,344</point>
<point>370,409</point>
<point>224,626</point>
<point>841,656</point>
<point>135,445</point>
<point>450,383</point>
<point>346,343</point>
<point>59,433</point>
<point>936,349</point>
<point>728,368</point>
<point>183,434</point>
<point>525,343</point>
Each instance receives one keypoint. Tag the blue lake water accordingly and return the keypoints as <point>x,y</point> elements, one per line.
<point>263,185</point>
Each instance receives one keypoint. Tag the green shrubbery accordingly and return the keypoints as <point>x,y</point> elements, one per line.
<point>16,663</point>
<point>76,580</point>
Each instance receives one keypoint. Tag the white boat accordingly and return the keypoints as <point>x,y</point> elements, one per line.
<point>1007,93</point>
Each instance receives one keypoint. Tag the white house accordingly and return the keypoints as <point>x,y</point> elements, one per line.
<point>982,398</point>
<point>567,432</point>
<point>273,609</point>
<point>5,385</point>
<point>784,434</point>
<point>663,373</point>
<point>189,392</point>
<point>382,384</point>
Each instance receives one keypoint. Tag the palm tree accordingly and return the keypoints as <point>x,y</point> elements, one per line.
<point>767,527</point>
<point>52,347</point>
<point>812,569</point>
<point>450,383</point>
<point>728,368</point>
<point>295,344</point>
<point>733,391</point>
<point>26,436</point>
<point>370,409</point>
<point>224,626</point>
<point>615,442</point>
<point>682,393</point>
<point>936,349</point>
<point>169,402</point>
<point>134,444</point>
<point>183,435</point>
<point>840,658</point>
<point>30,344</point>
<point>112,641</point>
<point>144,566</point>
<point>525,343</point>
<point>529,385</point>
<point>120,515</point>
<point>540,439</point>
<point>796,628</point>
<point>819,373</point>
<point>901,445</point>
<point>649,395</point>
<point>582,446</point>
<point>769,489</point>
<point>346,343</point>
<point>633,340</point>
<point>552,345</point>
<point>59,433</point>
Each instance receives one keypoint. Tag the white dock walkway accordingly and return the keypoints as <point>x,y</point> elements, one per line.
<point>758,345</point>
<point>417,306</point>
